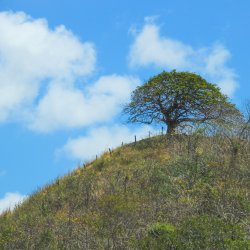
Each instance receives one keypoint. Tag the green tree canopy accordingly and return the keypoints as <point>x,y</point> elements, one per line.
<point>177,99</point>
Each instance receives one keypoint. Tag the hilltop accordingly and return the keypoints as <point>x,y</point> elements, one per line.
<point>176,192</point>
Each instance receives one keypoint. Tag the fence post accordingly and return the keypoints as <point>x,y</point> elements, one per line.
<point>135,139</point>
<point>149,134</point>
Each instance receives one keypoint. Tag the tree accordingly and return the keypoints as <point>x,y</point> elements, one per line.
<point>177,99</point>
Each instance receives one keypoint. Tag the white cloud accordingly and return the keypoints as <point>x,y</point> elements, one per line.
<point>10,200</point>
<point>215,66</point>
<point>39,69</point>
<point>32,55</point>
<point>100,139</point>
<point>71,107</point>
<point>150,48</point>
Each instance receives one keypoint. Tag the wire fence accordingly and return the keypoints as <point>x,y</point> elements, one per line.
<point>186,130</point>
<point>134,140</point>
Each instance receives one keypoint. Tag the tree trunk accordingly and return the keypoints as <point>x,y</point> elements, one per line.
<point>171,128</point>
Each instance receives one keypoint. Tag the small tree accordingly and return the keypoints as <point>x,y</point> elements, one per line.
<point>177,99</point>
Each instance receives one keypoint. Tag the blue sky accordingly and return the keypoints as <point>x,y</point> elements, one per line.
<point>66,68</point>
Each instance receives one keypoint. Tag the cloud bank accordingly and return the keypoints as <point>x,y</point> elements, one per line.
<point>69,107</point>
<point>33,57</point>
<point>40,74</point>
<point>150,48</point>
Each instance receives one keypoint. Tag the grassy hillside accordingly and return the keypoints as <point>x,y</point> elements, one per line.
<point>183,192</point>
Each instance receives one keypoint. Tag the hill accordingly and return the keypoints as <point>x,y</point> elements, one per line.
<point>179,192</point>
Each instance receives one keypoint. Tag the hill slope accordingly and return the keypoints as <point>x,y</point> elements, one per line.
<point>185,192</point>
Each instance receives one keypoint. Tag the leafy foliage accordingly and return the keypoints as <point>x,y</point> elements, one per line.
<point>177,99</point>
